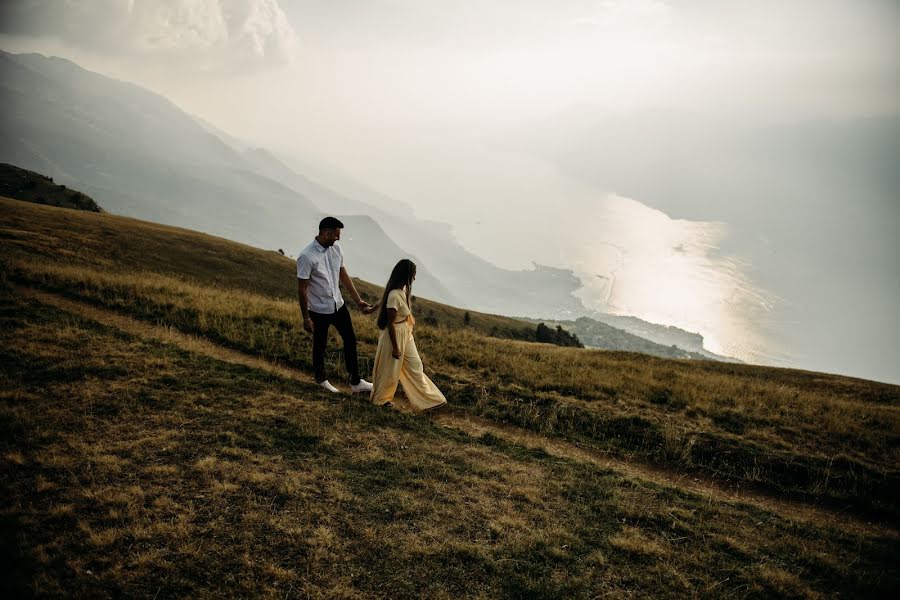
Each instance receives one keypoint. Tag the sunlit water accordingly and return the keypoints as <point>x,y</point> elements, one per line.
<point>637,261</point>
<point>632,259</point>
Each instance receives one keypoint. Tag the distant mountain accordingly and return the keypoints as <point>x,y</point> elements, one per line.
<point>136,153</point>
<point>140,155</point>
<point>465,279</point>
<point>266,163</point>
<point>375,254</point>
<point>20,184</point>
<point>664,335</point>
<point>343,183</point>
<point>631,334</point>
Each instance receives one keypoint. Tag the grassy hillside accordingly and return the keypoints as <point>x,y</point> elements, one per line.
<point>27,185</point>
<point>123,245</point>
<point>135,468</point>
<point>828,437</point>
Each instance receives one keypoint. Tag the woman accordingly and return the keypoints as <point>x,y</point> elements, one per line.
<point>397,358</point>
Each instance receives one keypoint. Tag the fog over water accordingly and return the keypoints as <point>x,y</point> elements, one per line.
<point>725,167</point>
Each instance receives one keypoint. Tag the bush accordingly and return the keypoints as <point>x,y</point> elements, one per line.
<point>560,337</point>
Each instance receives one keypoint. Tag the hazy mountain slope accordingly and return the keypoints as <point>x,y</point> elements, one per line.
<point>368,250</point>
<point>265,163</point>
<point>136,153</point>
<point>121,116</point>
<point>337,180</point>
<point>139,155</point>
<point>465,279</point>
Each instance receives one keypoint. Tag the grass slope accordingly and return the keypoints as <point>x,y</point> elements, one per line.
<point>33,187</point>
<point>142,470</point>
<point>133,468</point>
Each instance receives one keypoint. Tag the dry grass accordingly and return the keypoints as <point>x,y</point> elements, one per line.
<point>728,420</point>
<point>827,437</point>
<point>134,468</point>
<point>177,475</point>
<point>129,245</point>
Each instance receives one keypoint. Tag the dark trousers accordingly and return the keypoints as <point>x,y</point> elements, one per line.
<point>343,324</point>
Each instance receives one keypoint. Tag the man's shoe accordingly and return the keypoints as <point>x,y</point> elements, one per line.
<point>329,388</point>
<point>362,386</point>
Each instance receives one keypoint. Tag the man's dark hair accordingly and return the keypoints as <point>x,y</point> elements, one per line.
<point>330,223</point>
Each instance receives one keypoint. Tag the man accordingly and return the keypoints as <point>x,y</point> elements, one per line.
<point>320,271</point>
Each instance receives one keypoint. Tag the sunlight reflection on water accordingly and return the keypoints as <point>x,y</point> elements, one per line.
<point>637,261</point>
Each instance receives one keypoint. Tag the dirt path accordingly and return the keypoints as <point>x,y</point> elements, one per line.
<point>476,426</point>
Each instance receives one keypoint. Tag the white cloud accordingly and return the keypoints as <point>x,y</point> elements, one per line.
<point>611,15</point>
<point>224,36</point>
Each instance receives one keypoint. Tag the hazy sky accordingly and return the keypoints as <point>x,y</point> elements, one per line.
<point>691,160</point>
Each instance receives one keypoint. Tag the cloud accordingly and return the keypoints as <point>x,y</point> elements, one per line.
<point>611,15</point>
<point>225,36</point>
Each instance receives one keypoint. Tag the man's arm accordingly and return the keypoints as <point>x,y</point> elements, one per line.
<point>303,298</point>
<point>364,306</point>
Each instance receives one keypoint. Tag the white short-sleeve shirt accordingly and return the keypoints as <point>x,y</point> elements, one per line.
<point>322,266</point>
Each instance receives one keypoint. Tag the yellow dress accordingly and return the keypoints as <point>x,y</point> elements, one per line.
<point>408,369</point>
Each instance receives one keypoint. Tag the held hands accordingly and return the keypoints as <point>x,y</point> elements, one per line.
<point>308,325</point>
<point>366,308</point>
<point>395,353</point>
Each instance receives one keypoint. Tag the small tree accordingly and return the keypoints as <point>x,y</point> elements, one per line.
<point>467,319</point>
<point>544,334</point>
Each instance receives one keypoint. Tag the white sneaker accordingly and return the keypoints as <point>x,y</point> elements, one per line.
<point>362,386</point>
<point>330,388</point>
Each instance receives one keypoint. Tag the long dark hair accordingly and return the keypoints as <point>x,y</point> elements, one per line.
<point>402,275</point>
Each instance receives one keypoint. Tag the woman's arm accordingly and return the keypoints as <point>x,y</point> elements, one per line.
<point>392,332</point>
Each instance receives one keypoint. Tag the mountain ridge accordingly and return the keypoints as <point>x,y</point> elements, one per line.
<point>63,126</point>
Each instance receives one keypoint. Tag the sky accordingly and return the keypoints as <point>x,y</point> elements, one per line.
<point>723,166</point>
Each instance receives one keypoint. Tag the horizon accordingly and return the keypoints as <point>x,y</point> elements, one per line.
<point>701,155</point>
